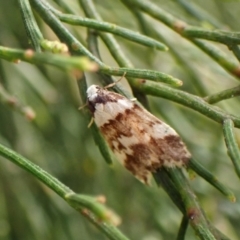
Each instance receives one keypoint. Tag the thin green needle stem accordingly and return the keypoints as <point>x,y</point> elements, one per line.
<point>183,228</point>
<point>223,95</point>
<point>209,177</point>
<point>30,24</point>
<point>111,28</point>
<point>231,143</point>
<point>65,192</point>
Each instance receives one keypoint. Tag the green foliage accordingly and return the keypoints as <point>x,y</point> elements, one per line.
<point>193,87</point>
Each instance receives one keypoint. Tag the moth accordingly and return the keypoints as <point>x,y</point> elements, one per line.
<point>139,140</point>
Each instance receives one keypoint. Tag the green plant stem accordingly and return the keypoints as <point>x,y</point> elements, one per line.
<point>119,55</point>
<point>105,79</point>
<point>10,101</point>
<point>66,62</point>
<point>184,98</point>
<point>143,74</point>
<point>36,171</point>
<point>235,49</point>
<point>209,177</point>
<point>162,179</point>
<point>227,38</point>
<point>219,56</point>
<point>61,31</point>
<point>223,95</point>
<point>63,191</point>
<point>178,25</point>
<point>109,230</point>
<point>111,28</point>
<point>89,205</point>
<point>183,228</point>
<point>231,143</point>
<point>108,39</point>
<point>33,32</point>
<point>150,30</point>
<point>177,187</point>
<point>148,87</point>
<point>192,209</point>
<point>76,47</point>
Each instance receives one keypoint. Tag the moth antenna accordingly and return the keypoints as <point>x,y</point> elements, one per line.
<point>114,83</point>
<point>90,123</point>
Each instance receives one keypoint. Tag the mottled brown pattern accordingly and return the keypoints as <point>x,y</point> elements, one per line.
<point>131,136</point>
<point>116,127</point>
<point>170,148</point>
<point>149,155</point>
<point>135,167</point>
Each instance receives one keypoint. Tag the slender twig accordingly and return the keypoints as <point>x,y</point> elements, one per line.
<point>179,26</point>
<point>225,37</point>
<point>105,79</point>
<point>151,30</point>
<point>75,200</point>
<point>162,179</point>
<point>231,143</point>
<point>209,177</point>
<point>61,61</point>
<point>223,95</point>
<point>183,228</point>
<point>88,205</point>
<point>111,28</point>
<point>143,74</point>
<point>193,210</point>
<point>177,187</point>
<point>36,171</point>
<point>118,54</point>
<point>76,47</point>
<point>12,102</point>
<point>43,8</point>
<point>33,32</point>
<point>219,56</point>
<point>186,99</point>
<point>235,49</point>
<point>109,40</point>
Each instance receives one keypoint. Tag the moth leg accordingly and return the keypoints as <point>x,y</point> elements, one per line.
<point>82,107</point>
<point>90,123</point>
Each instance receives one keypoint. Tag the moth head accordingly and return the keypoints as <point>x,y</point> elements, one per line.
<point>92,92</point>
<point>100,96</point>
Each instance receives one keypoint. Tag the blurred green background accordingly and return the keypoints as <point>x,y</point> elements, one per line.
<point>59,141</point>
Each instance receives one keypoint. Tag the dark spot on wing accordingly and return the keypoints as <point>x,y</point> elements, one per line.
<point>173,140</point>
<point>117,127</point>
<point>171,148</point>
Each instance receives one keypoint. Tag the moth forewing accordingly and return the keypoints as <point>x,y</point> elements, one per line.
<point>140,141</point>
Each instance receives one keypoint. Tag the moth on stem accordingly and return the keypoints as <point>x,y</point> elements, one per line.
<point>140,141</point>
